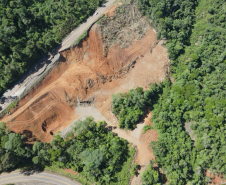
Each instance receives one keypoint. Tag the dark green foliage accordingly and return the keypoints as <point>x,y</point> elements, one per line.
<point>31,28</point>
<point>198,94</point>
<point>129,107</point>
<point>134,169</point>
<point>146,128</point>
<point>151,176</point>
<point>93,151</point>
<point>12,149</point>
<point>173,20</point>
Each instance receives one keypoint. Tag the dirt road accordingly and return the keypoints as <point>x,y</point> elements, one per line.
<point>75,34</point>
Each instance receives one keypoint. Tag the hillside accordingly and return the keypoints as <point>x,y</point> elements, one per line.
<point>152,76</point>
<point>82,84</point>
<point>190,114</point>
<point>32,28</point>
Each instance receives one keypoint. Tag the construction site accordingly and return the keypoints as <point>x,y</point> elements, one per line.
<point>109,60</point>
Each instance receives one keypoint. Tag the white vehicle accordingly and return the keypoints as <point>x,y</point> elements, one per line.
<point>95,13</point>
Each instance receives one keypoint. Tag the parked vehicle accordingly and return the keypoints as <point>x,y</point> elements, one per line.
<point>2,100</point>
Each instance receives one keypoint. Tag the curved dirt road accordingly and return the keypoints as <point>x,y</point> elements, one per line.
<point>41,177</point>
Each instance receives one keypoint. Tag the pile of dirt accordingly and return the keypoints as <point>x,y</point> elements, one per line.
<point>111,11</point>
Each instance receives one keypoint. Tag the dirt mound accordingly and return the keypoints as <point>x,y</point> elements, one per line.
<point>39,119</point>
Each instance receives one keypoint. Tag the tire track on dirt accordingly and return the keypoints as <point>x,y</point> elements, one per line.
<point>55,95</point>
<point>45,109</point>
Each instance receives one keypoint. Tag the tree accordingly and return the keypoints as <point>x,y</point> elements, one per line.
<point>150,176</point>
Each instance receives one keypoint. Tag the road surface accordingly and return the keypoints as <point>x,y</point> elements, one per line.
<point>75,34</point>
<point>41,177</point>
<point>19,88</point>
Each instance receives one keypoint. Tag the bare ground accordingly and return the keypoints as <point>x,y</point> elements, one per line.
<point>86,72</point>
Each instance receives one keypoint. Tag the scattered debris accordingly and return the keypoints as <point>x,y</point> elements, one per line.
<point>124,27</point>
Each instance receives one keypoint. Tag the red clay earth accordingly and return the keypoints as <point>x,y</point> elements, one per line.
<point>215,180</point>
<point>84,71</point>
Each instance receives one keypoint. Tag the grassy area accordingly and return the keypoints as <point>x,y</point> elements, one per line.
<point>12,105</point>
<point>124,175</point>
<point>80,38</point>
<point>79,178</point>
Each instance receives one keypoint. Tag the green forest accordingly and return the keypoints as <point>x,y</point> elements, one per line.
<point>130,107</point>
<point>29,29</point>
<point>91,149</point>
<point>189,114</point>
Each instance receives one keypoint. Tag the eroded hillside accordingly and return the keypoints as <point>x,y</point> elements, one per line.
<point>88,73</point>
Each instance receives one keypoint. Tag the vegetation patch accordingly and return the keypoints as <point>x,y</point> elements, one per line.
<point>60,171</point>
<point>91,150</point>
<point>80,38</point>
<point>123,177</point>
<point>134,169</point>
<point>146,128</point>
<point>151,176</point>
<point>129,107</point>
<point>196,32</point>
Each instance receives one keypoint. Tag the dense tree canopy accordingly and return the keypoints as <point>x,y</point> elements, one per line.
<point>31,28</point>
<point>190,114</point>
<point>129,107</point>
<point>91,149</point>
<point>173,19</point>
<point>151,176</point>
<point>12,149</point>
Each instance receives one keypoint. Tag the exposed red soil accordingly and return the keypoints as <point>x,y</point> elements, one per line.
<point>71,171</point>
<point>111,11</point>
<point>149,136</point>
<point>215,180</point>
<point>84,71</point>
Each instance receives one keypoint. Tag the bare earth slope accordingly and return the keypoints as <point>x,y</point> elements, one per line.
<point>88,73</point>
<point>84,71</point>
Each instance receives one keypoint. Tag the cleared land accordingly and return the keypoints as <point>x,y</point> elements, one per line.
<point>86,72</point>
